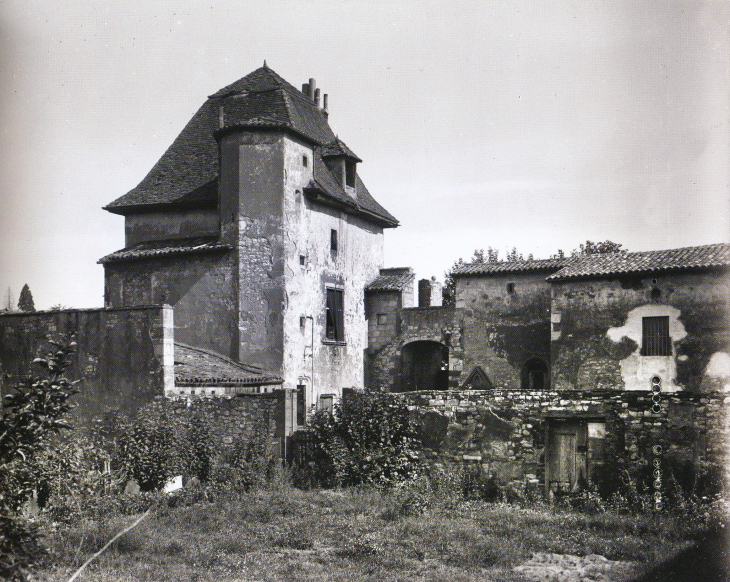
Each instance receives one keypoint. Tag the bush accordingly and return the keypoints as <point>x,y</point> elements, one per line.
<point>250,464</point>
<point>147,452</point>
<point>368,439</point>
<point>30,413</point>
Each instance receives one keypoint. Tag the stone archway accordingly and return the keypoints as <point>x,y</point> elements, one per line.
<point>424,366</point>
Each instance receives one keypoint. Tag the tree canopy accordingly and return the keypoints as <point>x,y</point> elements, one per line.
<point>25,301</point>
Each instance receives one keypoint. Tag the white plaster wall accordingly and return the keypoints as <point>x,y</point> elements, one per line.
<point>359,257</point>
<point>719,368</point>
<point>637,370</point>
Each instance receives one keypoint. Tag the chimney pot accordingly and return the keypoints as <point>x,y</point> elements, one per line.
<point>312,87</point>
<point>305,88</point>
<point>324,105</point>
<point>316,97</point>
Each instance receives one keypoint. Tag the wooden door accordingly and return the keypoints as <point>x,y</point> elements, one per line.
<point>563,457</point>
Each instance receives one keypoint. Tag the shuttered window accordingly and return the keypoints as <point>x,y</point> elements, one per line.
<point>655,339</point>
<point>335,315</point>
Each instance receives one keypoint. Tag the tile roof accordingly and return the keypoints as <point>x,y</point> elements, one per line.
<point>391,280</point>
<point>702,257</point>
<point>324,187</point>
<point>164,248</point>
<point>199,367</point>
<point>338,148</point>
<point>509,267</point>
<point>187,173</point>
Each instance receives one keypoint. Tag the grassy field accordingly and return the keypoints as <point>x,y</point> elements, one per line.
<point>353,535</point>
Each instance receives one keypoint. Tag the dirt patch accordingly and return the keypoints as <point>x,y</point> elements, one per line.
<point>568,568</point>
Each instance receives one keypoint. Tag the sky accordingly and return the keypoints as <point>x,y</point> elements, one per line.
<point>528,124</point>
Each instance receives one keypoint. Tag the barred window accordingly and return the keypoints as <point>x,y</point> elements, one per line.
<point>655,339</point>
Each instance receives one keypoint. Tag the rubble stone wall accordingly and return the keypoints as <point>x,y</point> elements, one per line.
<point>506,431</point>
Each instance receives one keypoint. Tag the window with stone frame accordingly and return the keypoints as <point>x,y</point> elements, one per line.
<point>655,338</point>
<point>334,308</point>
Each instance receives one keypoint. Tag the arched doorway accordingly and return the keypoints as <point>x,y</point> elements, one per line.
<point>424,366</point>
<point>535,375</point>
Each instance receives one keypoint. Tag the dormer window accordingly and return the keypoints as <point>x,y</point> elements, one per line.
<point>350,173</point>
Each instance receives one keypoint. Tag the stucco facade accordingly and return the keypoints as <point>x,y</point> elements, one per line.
<point>257,229</point>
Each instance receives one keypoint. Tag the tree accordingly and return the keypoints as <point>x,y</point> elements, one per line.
<point>33,411</point>
<point>598,248</point>
<point>25,302</point>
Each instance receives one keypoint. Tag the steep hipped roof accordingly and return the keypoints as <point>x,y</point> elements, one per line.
<point>199,367</point>
<point>164,248</point>
<point>338,148</point>
<point>392,280</point>
<point>325,188</point>
<point>187,173</point>
<point>509,267</point>
<point>702,257</point>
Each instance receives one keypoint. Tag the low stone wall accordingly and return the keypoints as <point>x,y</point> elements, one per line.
<point>230,417</point>
<point>507,431</point>
<point>233,418</point>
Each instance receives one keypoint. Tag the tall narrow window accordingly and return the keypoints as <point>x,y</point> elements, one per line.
<point>333,240</point>
<point>301,405</point>
<point>655,339</point>
<point>335,315</point>
<point>350,174</point>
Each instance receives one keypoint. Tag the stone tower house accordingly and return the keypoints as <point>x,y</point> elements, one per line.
<point>257,229</point>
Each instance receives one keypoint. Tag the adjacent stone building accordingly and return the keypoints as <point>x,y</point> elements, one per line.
<point>257,229</point>
<point>556,367</point>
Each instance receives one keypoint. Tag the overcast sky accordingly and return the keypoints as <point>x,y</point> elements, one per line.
<point>530,124</point>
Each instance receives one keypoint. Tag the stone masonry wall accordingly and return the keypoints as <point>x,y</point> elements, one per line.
<point>506,321</point>
<point>505,431</point>
<point>123,358</point>
<point>231,418</point>
<point>597,332</point>
<point>436,324</point>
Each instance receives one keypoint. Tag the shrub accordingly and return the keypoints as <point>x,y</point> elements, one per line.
<point>30,413</point>
<point>147,451</point>
<point>249,464</point>
<point>368,439</point>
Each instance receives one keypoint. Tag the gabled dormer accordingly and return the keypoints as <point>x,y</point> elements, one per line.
<point>342,162</point>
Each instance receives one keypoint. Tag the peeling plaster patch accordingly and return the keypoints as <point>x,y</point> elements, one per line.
<point>719,366</point>
<point>637,370</point>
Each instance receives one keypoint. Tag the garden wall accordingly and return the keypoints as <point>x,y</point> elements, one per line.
<point>123,358</point>
<point>235,417</point>
<point>510,432</point>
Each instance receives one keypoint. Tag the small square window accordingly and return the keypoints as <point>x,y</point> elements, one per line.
<point>302,260</point>
<point>510,288</point>
<point>382,318</point>
<point>305,161</point>
<point>327,402</point>
<point>333,240</point>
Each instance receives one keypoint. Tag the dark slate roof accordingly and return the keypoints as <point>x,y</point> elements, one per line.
<point>338,148</point>
<point>391,280</point>
<point>164,248</point>
<point>325,188</point>
<point>509,267</point>
<point>199,367</point>
<point>187,173</point>
<point>702,257</point>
